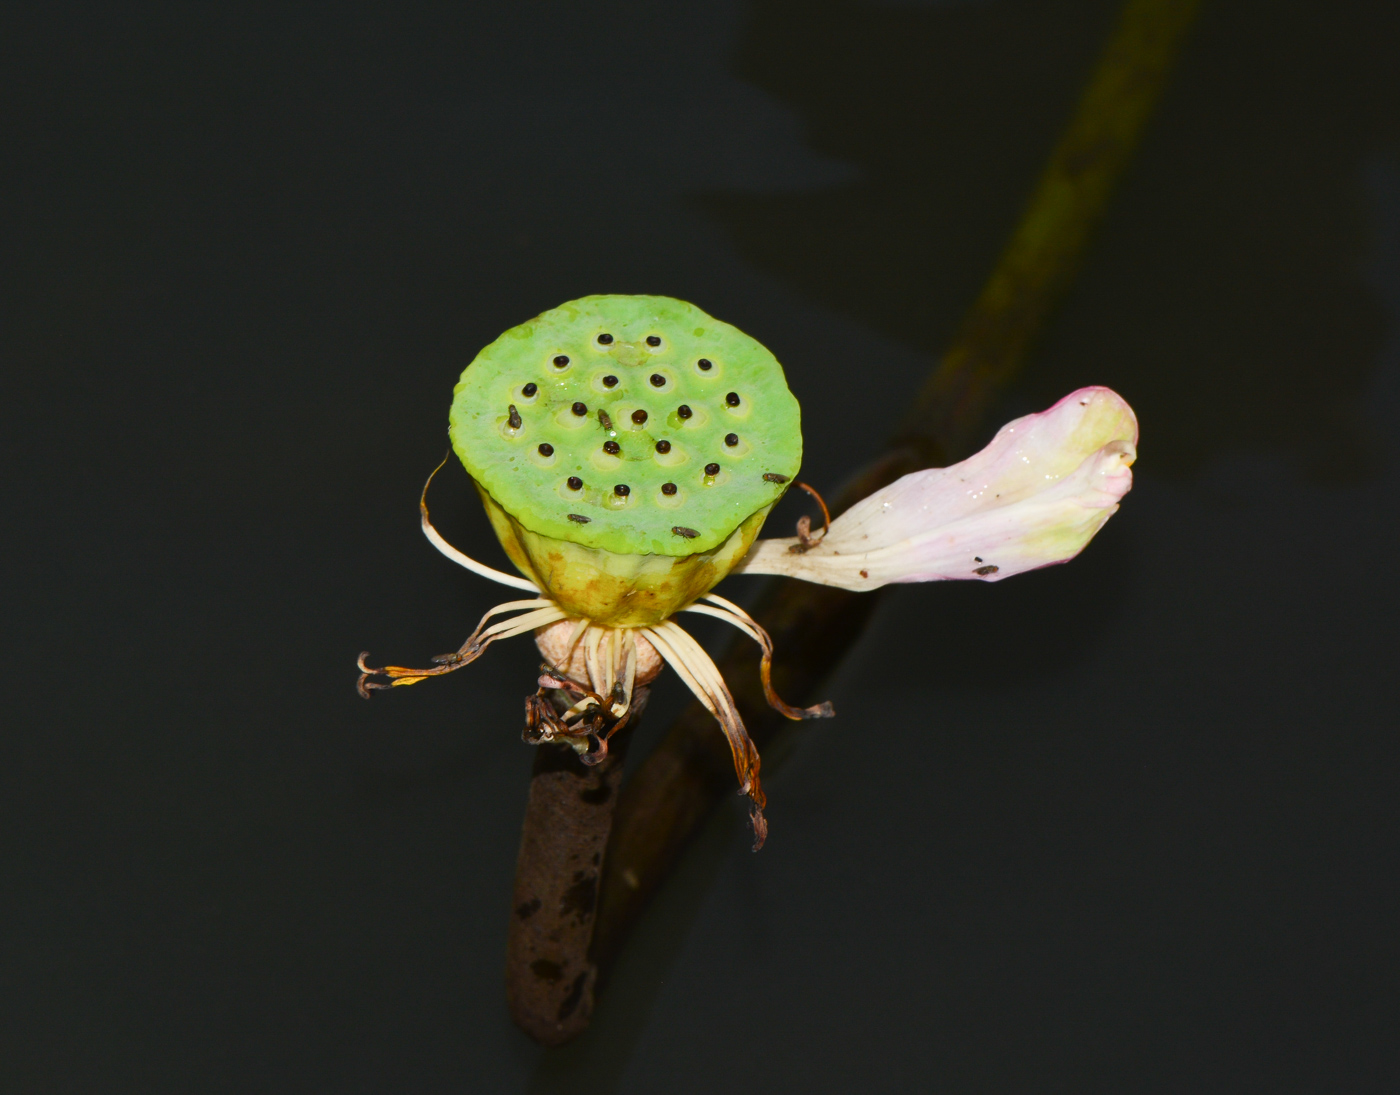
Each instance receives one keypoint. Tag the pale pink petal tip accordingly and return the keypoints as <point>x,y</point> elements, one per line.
<point>1034,496</point>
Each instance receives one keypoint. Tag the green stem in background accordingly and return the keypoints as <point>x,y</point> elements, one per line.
<point>689,773</point>
<point>1044,252</point>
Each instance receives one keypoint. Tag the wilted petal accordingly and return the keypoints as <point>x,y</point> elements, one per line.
<point>1034,496</point>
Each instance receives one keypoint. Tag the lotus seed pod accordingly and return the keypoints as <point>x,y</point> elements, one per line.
<point>627,450</point>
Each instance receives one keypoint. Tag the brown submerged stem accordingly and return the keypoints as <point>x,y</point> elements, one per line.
<point>660,809</point>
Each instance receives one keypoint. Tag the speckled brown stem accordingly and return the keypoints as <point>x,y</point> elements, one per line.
<point>550,979</point>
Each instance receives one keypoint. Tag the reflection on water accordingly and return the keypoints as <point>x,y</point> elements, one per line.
<point>1227,288</point>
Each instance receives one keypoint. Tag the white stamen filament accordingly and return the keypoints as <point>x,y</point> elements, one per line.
<point>462,558</point>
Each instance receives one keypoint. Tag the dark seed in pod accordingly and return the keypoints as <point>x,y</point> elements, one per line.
<point>683,411</point>
<point>514,418</point>
<point>605,340</point>
<point>622,490</point>
<point>681,530</point>
<point>774,477</point>
<point>668,488</point>
<point>653,340</point>
<point>546,449</point>
<point>705,364</point>
<point>561,361</point>
<point>732,399</point>
<point>612,447</point>
<point>639,417</point>
<point>731,439</point>
<point>580,518</point>
<point>575,483</point>
<point>657,380</point>
<point>529,390</point>
<point>610,382</point>
<point>580,409</point>
<point>604,420</point>
<point>663,447</point>
<point>711,469</point>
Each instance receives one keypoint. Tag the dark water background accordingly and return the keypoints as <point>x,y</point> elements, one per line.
<point>1128,824</point>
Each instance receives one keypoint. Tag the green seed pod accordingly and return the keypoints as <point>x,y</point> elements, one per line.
<point>627,449</point>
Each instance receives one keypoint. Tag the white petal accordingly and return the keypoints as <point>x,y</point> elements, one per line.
<point>1034,496</point>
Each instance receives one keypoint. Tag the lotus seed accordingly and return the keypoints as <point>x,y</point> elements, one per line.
<point>529,390</point>
<point>612,447</point>
<point>705,364</point>
<point>731,439</point>
<point>683,411</point>
<point>657,380</point>
<point>653,340</point>
<point>622,490</point>
<point>546,449</point>
<point>580,409</point>
<point>663,447</point>
<point>610,382</point>
<point>711,469</point>
<point>639,417</point>
<point>514,418</point>
<point>561,361</point>
<point>732,399</point>
<point>575,483</point>
<point>605,340</point>
<point>668,488</point>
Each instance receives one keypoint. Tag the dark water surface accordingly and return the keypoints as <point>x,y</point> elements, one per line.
<point>1128,824</point>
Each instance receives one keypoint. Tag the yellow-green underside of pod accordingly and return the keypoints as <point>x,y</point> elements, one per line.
<point>612,589</point>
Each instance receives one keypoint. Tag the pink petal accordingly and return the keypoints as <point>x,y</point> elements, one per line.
<point>1034,496</point>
